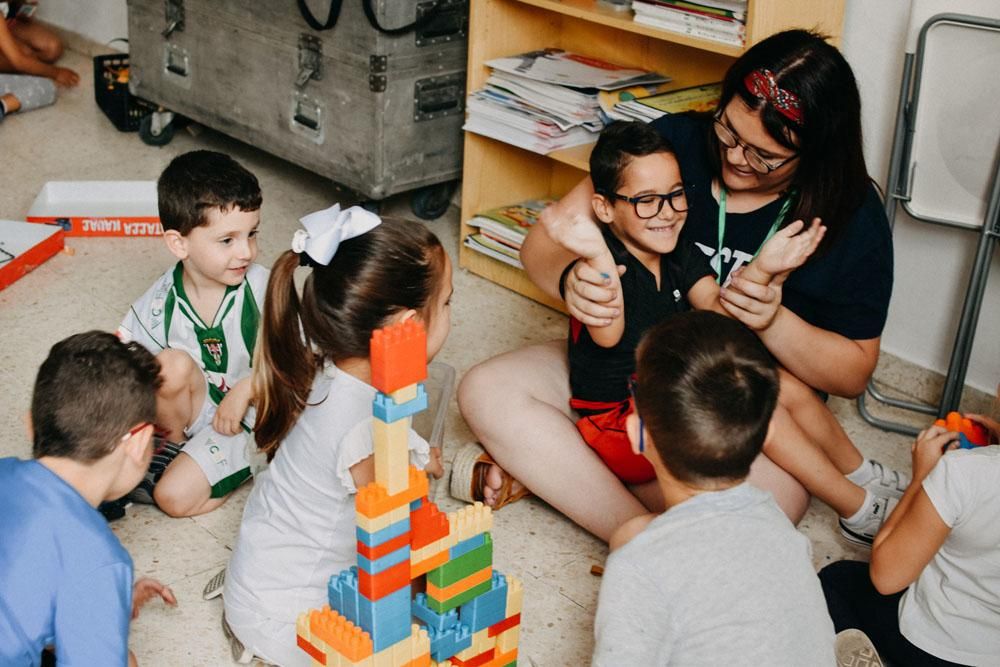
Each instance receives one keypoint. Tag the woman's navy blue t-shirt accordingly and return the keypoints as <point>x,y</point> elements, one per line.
<point>845,290</point>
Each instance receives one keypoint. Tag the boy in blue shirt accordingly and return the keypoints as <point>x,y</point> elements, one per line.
<point>65,579</point>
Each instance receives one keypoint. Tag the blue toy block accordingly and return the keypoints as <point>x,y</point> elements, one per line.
<point>384,408</point>
<point>447,643</point>
<point>415,505</point>
<point>486,609</point>
<point>429,617</point>
<point>465,546</point>
<point>342,594</point>
<point>387,619</point>
<point>385,562</point>
<point>964,442</point>
<point>384,535</point>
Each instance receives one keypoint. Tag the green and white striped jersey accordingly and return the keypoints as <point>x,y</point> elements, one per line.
<point>163,317</point>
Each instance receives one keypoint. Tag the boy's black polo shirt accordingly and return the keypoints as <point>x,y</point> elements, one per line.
<point>601,374</point>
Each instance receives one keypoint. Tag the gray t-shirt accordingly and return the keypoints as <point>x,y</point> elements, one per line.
<point>721,579</point>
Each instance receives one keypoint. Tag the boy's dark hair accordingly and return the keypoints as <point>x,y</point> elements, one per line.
<point>200,180</point>
<point>90,390</point>
<point>831,177</point>
<point>706,388</point>
<point>618,144</point>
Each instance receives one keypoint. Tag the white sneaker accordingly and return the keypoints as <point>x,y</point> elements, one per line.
<point>854,649</point>
<point>886,481</point>
<point>863,530</point>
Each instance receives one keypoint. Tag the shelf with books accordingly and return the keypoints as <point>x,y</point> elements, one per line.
<point>497,174</point>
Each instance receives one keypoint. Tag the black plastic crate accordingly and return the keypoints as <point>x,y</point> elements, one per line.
<point>111,93</point>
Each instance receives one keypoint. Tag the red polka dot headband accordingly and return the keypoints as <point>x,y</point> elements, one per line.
<point>762,85</point>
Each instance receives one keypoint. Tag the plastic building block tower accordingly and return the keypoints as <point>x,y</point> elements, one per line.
<point>970,433</point>
<point>468,615</point>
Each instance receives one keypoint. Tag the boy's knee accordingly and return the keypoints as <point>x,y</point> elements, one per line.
<point>49,48</point>
<point>172,501</point>
<point>178,370</point>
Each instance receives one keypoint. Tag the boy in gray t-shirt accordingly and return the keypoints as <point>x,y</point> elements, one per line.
<point>722,577</point>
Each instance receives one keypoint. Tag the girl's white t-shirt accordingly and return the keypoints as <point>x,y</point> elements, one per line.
<point>299,523</point>
<point>952,611</point>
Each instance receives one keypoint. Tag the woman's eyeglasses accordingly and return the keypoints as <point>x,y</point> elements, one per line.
<point>729,139</point>
<point>649,206</point>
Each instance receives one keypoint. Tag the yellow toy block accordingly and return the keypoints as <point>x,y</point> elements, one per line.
<point>372,525</point>
<point>432,549</point>
<point>404,395</point>
<point>481,642</point>
<point>515,595</point>
<point>470,521</point>
<point>392,454</point>
<point>507,640</point>
<point>373,500</point>
<point>503,659</point>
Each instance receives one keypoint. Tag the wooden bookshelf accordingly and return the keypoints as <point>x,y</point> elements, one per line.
<point>496,173</point>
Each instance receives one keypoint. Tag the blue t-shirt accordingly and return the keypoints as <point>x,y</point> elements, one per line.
<point>65,579</point>
<point>844,289</point>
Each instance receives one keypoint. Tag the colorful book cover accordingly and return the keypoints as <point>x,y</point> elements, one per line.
<point>703,98</point>
<point>511,222</point>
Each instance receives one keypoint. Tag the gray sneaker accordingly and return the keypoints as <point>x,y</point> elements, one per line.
<point>864,530</point>
<point>213,588</point>
<point>241,654</point>
<point>854,649</point>
<point>886,481</point>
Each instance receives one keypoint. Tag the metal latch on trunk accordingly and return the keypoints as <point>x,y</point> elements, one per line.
<point>310,59</point>
<point>174,13</point>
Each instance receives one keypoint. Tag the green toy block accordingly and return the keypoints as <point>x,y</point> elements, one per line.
<point>460,599</point>
<point>465,565</point>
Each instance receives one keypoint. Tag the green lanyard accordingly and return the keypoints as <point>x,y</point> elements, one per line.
<point>722,226</point>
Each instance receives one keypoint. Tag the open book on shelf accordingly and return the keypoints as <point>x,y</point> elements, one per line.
<point>503,229</point>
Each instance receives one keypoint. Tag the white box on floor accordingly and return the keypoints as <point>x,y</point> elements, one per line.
<point>24,246</point>
<point>99,208</point>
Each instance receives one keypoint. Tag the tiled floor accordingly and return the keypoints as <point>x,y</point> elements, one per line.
<point>93,287</point>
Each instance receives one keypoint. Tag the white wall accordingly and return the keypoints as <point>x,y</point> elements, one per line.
<point>932,263</point>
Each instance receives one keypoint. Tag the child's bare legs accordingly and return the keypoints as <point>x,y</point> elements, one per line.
<point>43,43</point>
<point>530,433</point>
<point>182,394</point>
<point>815,419</point>
<point>184,490</point>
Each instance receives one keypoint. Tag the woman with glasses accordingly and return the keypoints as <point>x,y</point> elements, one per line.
<point>784,145</point>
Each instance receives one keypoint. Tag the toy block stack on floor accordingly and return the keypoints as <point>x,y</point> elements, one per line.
<point>469,615</point>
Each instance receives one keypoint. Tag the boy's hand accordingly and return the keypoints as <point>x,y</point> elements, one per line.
<point>145,589</point>
<point>989,424</point>
<point>232,408</point>
<point>591,295</point>
<point>753,304</point>
<point>928,449</point>
<point>65,77</point>
<point>577,234</point>
<point>789,249</point>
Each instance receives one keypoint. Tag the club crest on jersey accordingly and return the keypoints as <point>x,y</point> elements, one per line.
<point>213,346</point>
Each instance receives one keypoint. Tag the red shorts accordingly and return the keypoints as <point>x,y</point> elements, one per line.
<point>606,435</point>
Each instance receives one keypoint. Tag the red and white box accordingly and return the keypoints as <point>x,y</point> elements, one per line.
<point>99,208</point>
<point>24,246</point>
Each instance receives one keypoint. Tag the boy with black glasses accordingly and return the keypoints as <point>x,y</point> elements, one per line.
<point>639,196</point>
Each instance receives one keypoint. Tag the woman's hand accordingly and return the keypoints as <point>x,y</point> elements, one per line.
<point>589,294</point>
<point>754,305</point>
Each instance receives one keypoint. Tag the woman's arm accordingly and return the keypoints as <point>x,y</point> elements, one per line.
<point>914,532</point>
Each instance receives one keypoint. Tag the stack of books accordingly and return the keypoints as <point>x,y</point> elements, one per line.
<point>547,100</point>
<point>502,230</point>
<point>716,20</point>
<point>696,98</point>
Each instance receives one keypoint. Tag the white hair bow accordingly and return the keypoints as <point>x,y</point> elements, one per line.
<point>324,231</point>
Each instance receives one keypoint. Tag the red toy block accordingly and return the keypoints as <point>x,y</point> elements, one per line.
<point>475,661</point>
<point>427,525</point>
<point>373,500</point>
<point>398,356</point>
<point>314,653</point>
<point>384,549</point>
<point>974,431</point>
<point>377,586</point>
<point>505,624</point>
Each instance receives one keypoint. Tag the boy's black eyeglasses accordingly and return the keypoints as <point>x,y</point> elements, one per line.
<point>729,139</point>
<point>632,382</point>
<point>649,206</point>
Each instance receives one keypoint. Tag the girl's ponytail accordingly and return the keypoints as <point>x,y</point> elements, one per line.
<point>284,364</point>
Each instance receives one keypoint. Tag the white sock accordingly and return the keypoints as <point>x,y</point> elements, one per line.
<point>863,511</point>
<point>863,474</point>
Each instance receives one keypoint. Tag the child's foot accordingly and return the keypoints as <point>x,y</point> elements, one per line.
<point>854,649</point>
<point>112,510</point>
<point>865,524</point>
<point>435,467</point>
<point>164,453</point>
<point>475,477</point>
<point>875,478</point>
<point>493,485</point>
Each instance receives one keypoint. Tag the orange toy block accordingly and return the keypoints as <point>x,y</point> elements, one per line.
<point>373,500</point>
<point>374,553</point>
<point>340,634</point>
<point>422,661</point>
<point>976,434</point>
<point>398,356</point>
<point>377,586</point>
<point>476,661</point>
<point>427,525</point>
<point>459,587</point>
<point>503,659</point>
<point>428,564</point>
